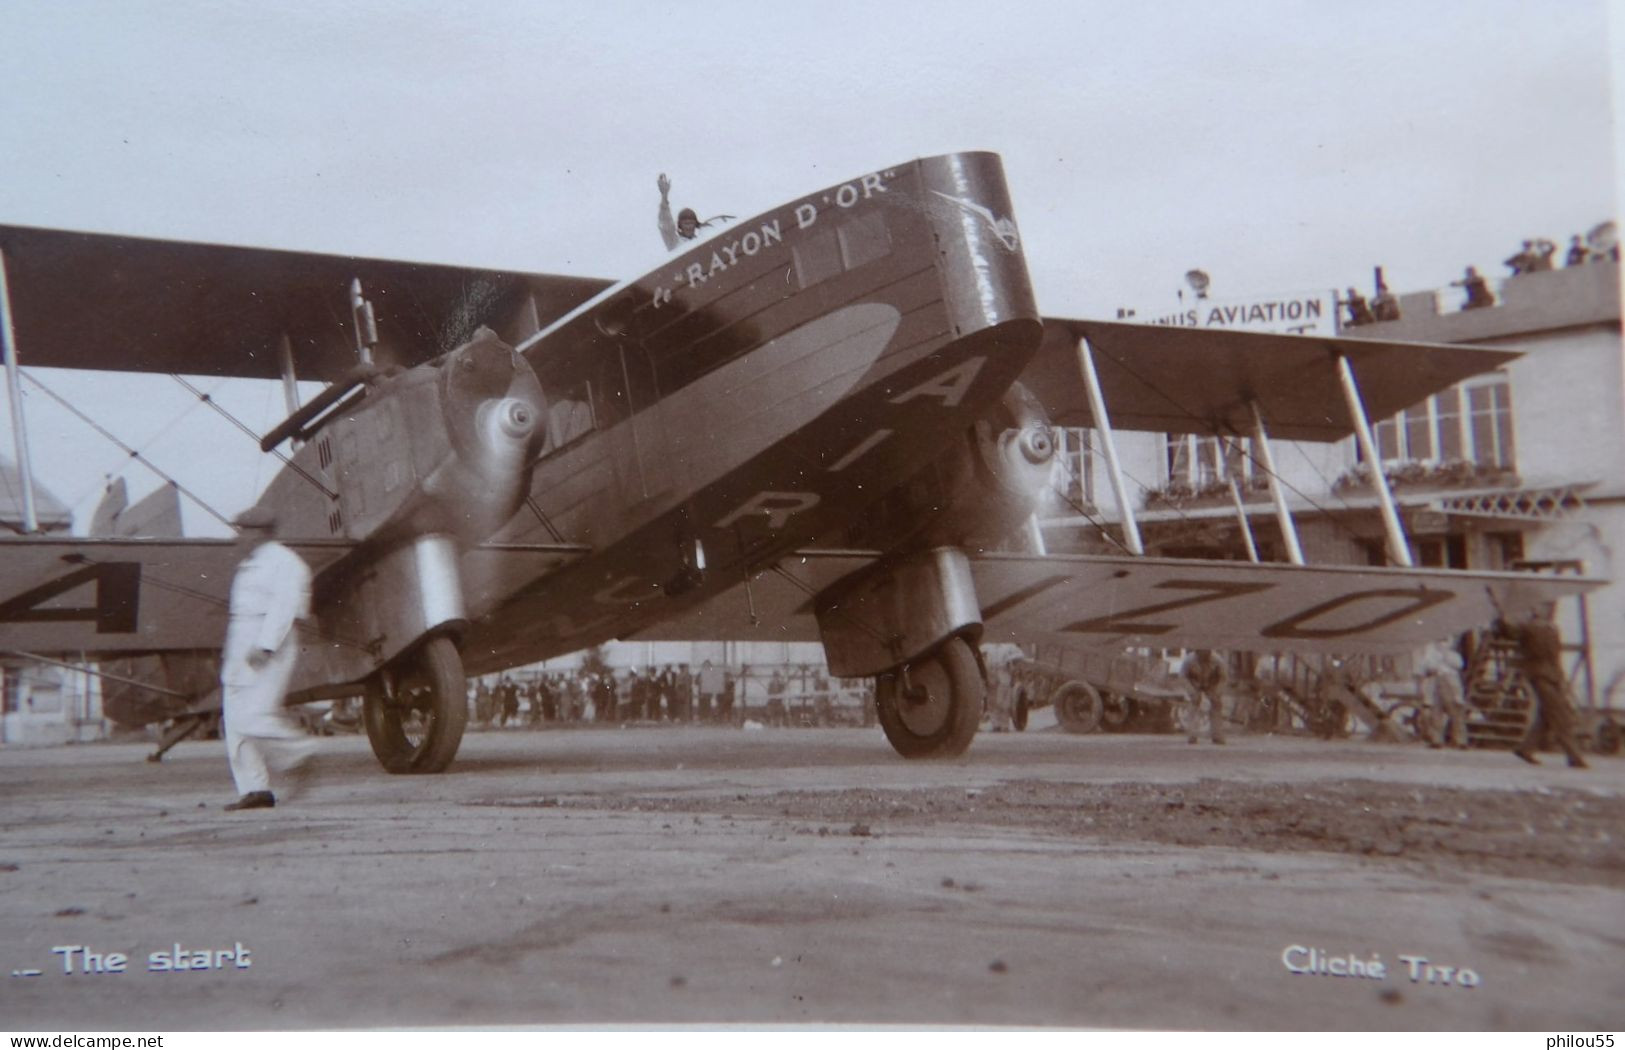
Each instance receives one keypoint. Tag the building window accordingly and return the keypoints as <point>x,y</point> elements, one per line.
<point>1077,457</point>
<point>1201,462</point>
<point>1490,408</point>
<point>1439,431</point>
<point>1191,460</point>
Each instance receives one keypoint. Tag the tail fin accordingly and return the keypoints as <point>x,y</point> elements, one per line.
<point>158,516</point>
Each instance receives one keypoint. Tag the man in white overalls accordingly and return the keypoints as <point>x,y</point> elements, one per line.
<point>269,593</point>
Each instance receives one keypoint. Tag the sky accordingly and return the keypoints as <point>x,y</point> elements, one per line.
<point>1279,146</point>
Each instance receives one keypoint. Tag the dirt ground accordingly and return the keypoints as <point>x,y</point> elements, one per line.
<point>803,876</point>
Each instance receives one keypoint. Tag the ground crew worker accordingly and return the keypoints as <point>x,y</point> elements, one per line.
<point>269,593</point>
<point>1204,675</point>
<point>1440,674</point>
<point>1540,651</point>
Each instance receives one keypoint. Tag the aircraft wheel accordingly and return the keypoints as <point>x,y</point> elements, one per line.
<point>938,714</point>
<point>416,726</point>
<point>1078,707</point>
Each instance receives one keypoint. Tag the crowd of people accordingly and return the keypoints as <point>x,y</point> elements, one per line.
<point>672,694</point>
<point>1536,255</point>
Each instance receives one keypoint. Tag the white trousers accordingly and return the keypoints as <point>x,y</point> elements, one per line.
<point>254,756</point>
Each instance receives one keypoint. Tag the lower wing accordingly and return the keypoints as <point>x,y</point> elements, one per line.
<point>1115,602</point>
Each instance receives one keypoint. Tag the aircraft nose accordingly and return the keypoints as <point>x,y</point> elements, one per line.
<point>493,402</point>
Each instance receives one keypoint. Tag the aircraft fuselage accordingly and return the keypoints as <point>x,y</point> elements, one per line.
<point>759,391</point>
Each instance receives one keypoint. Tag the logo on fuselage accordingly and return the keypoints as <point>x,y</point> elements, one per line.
<point>1003,229</point>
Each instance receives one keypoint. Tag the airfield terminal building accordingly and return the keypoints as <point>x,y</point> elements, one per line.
<point>1523,467</point>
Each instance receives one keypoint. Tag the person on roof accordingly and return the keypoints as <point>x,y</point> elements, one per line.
<point>1478,290</point>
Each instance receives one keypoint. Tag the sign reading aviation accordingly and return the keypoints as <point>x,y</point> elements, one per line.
<point>1310,313</point>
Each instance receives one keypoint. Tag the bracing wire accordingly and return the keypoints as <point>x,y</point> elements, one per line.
<point>133,453</point>
<point>154,439</point>
<point>208,399</point>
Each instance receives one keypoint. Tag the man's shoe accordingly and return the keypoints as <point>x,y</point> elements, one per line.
<point>1527,756</point>
<point>253,800</point>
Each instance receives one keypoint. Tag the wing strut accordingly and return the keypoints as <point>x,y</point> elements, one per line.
<point>1283,514</point>
<point>19,432</point>
<point>1398,550</point>
<point>366,323</point>
<point>1114,467</point>
<point>1232,460</point>
<point>290,379</point>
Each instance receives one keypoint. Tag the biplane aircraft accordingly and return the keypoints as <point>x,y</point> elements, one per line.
<point>830,421</point>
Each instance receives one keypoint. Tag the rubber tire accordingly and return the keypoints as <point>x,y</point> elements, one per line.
<point>435,670</point>
<point>953,681</point>
<point>1078,707</point>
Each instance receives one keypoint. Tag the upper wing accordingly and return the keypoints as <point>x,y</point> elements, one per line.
<point>82,300</point>
<point>1113,602</point>
<point>1201,380</point>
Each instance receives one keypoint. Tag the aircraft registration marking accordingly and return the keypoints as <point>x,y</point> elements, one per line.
<point>1210,591</point>
<point>950,385</point>
<point>1344,616</point>
<point>116,609</point>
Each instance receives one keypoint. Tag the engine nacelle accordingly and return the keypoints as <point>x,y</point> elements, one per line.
<point>980,494</point>
<point>418,467</point>
<point>976,496</point>
<point>493,409</point>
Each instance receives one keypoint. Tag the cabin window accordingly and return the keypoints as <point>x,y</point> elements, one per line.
<point>863,240</point>
<point>818,258</point>
<point>583,389</point>
<point>569,417</point>
<point>610,404</point>
<point>640,378</point>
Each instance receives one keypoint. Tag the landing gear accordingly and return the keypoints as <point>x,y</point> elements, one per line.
<point>1078,707</point>
<point>931,707</point>
<point>415,712</point>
